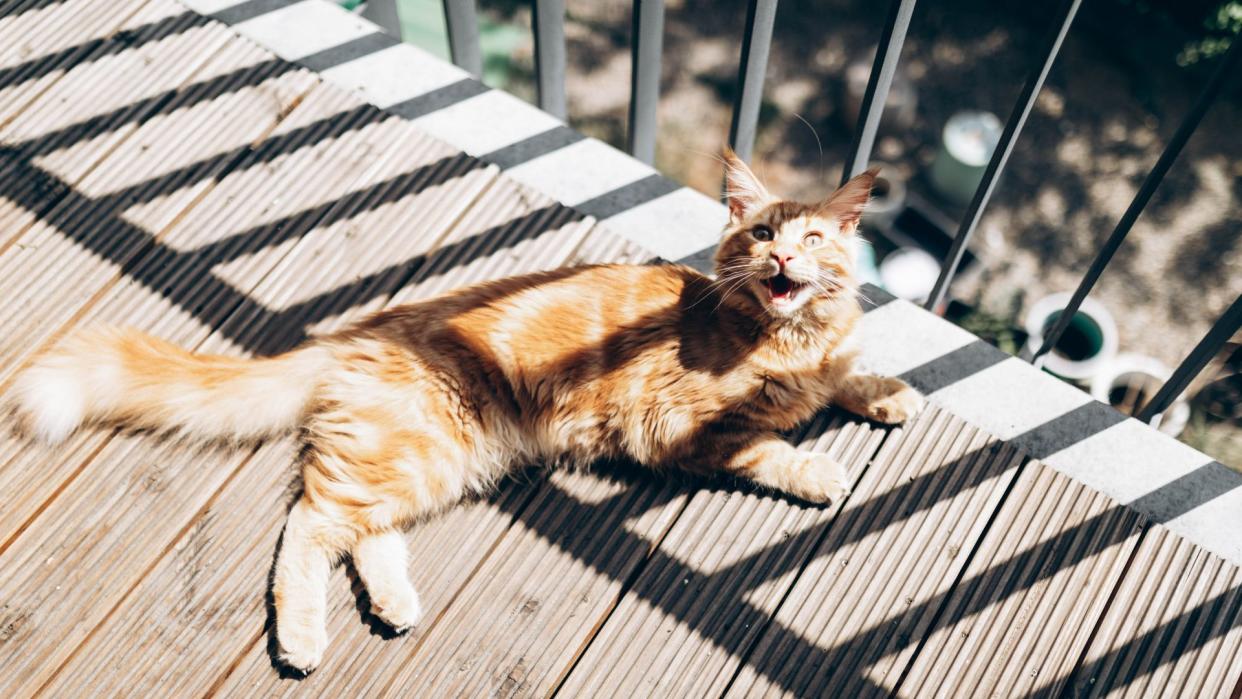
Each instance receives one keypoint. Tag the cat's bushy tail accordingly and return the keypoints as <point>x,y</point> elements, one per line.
<point>132,379</point>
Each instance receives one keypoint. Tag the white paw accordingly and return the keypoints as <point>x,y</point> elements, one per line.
<point>401,610</point>
<point>822,479</point>
<point>898,406</point>
<point>301,648</point>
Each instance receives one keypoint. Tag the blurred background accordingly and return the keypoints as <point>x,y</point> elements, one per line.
<point>1128,72</point>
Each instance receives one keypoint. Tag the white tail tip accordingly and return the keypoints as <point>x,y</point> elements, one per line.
<point>52,401</point>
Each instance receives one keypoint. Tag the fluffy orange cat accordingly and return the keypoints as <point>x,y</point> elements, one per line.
<point>410,410</point>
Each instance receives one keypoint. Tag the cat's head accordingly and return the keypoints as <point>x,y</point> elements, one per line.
<point>788,255</point>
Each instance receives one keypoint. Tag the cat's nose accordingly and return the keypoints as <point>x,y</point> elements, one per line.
<point>782,257</point>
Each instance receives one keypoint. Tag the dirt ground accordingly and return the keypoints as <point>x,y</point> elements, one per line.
<point>1112,100</point>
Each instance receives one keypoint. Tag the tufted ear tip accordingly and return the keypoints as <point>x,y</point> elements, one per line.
<point>847,203</point>
<point>745,194</point>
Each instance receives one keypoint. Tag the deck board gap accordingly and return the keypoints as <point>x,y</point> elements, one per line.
<point>961,574</point>
<point>626,586</point>
<point>137,582</point>
<point>802,568</point>
<point>86,461</point>
<point>1067,688</point>
<point>69,61</point>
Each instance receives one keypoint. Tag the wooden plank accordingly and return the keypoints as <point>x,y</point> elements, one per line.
<point>74,241</point>
<point>510,230</point>
<point>1022,615</point>
<point>108,79</point>
<point>69,240</point>
<point>497,646</point>
<point>39,29</point>
<point>213,578</point>
<point>40,45</point>
<point>1174,627</point>
<point>552,578</point>
<point>911,523</point>
<point>113,512</point>
<point>714,581</point>
<point>65,131</point>
<point>603,246</point>
<point>662,638</point>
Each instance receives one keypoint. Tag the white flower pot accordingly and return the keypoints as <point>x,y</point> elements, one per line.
<point>1086,346</point>
<point>1130,381</point>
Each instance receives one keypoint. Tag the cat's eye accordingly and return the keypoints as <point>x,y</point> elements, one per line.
<point>813,239</point>
<point>762,233</point>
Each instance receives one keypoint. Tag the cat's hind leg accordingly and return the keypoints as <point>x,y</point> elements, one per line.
<point>880,398</point>
<point>381,561</point>
<point>311,544</point>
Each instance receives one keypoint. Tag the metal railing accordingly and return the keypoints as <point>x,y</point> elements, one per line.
<point>646,47</point>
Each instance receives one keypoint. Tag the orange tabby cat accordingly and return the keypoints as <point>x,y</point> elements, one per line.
<point>417,406</point>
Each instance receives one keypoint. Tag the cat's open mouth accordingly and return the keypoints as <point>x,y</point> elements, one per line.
<point>782,288</point>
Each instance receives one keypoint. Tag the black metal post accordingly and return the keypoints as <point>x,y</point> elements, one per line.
<point>550,56</point>
<point>1026,100</point>
<point>1226,327</point>
<point>384,14</point>
<point>887,54</point>
<point>647,46</point>
<point>462,20</point>
<point>1154,178</point>
<point>756,42</point>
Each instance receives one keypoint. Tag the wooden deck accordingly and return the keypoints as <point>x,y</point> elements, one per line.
<point>158,171</point>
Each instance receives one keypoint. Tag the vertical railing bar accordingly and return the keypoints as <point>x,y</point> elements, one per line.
<point>462,20</point>
<point>756,43</point>
<point>384,14</point>
<point>1030,90</point>
<point>550,56</point>
<point>887,54</point>
<point>647,46</point>
<point>1153,180</point>
<point>1224,328</point>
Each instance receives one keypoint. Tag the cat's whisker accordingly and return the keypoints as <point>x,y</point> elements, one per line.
<point>725,294</point>
<point>727,277</point>
<point>734,285</point>
<point>820,173</point>
<point>706,154</point>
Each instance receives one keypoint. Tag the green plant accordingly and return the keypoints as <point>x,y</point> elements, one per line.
<point>1222,26</point>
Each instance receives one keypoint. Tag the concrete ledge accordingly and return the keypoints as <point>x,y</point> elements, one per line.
<point>1158,476</point>
<point>447,103</point>
<point>1161,478</point>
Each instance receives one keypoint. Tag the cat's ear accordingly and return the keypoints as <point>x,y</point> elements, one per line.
<point>745,194</point>
<point>847,203</point>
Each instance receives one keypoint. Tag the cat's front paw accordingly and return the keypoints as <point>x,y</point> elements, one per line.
<point>898,405</point>
<point>821,479</point>
<point>301,646</point>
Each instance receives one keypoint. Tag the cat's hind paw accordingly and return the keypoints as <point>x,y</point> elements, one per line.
<point>400,611</point>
